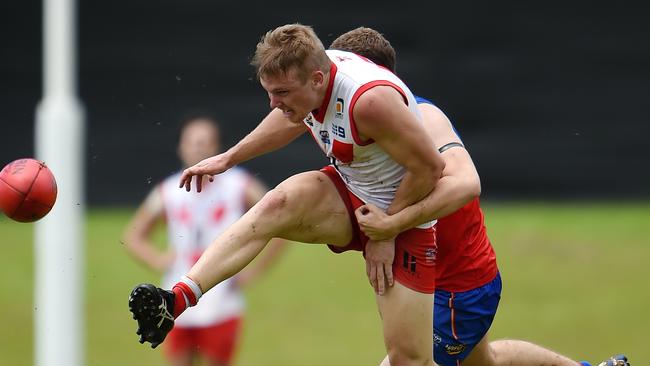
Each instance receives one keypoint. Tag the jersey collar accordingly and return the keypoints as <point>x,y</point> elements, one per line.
<point>319,114</point>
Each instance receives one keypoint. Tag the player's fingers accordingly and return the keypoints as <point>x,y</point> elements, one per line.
<point>188,183</point>
<point>358,214</point>
<point>183,179</point>
<point>380,279</point>
<point>388,268</point>
<point>211,178</point>
<point>199,183</point>
<point>373,276</point>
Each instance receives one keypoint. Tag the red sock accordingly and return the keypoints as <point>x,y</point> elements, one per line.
<point>183,299</point>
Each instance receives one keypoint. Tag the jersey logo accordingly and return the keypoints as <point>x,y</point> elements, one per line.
<point>308,120</point>
<point>339,108</point>
<point>338,131</point>
<point>343,58</point>
<point>430,255</point>
<point>325,137</point>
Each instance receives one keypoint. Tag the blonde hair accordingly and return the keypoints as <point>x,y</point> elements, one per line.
<point>290,46</point>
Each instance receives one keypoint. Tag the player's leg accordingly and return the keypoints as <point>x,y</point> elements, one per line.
<point>406,318</point>
<point>305,208</point>
<point>515,352</point>
<point>406,308</point>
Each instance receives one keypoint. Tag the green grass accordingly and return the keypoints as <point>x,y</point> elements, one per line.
<point>575,280</point>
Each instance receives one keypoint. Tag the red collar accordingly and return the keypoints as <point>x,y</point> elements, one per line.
<point>319,114</point>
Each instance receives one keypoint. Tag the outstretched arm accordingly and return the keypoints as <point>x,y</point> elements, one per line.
<point>274,132</point>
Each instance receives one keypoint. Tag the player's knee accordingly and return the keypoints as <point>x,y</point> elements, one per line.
<point>400,356</point>
<point>276,200</point>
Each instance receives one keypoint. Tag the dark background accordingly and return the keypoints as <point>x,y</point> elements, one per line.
<point>551,100</point>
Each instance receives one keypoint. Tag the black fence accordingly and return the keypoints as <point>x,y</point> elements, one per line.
<point>550,100</point>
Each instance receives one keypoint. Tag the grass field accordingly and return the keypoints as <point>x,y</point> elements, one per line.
<point>576,279</point>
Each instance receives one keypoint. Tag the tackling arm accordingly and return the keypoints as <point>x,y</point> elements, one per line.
<point>381,114</point>
<point>459,184</point>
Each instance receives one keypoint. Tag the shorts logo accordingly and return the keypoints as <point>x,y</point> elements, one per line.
<point>409,262</point>
<point>430,255</point>
<point>436,339</point>
<point>454,349</point>
<point>325,137</point>
<point>339,108</point>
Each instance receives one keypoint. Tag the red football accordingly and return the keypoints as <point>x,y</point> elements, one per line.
<point>27,190</point>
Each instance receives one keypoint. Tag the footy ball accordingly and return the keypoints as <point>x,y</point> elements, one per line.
<point>27,190</point>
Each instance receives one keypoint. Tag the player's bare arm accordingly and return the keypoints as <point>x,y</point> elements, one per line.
<point>459,184</point>
<point>274,132</point>
<point>138,235</point>
<point>382,115</point>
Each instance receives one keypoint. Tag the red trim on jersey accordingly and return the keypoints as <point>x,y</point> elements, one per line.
<point>319,114</point>
<point>364,88</point>
<point>342,151</point>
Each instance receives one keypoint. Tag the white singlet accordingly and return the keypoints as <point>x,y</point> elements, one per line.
<point>366,169</point>
<point>194,220</point>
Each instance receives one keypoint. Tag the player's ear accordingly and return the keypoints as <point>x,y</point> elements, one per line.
<point>317,78</point>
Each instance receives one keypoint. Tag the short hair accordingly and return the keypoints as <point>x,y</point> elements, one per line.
<point>368,43</point>
<point>190,117</point>
<point>290,46</point>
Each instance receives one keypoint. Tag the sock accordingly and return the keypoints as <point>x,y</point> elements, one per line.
<point>187,293</point>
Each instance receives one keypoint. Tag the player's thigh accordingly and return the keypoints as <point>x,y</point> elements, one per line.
<point>308,208</point>
<point>407,320</point>
<point>481,355</point>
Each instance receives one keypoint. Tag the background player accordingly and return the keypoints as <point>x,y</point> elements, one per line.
<point>210,330</point>
<point>468,285</point>
<point>366,120</point>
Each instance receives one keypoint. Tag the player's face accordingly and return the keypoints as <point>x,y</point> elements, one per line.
<point>295,97</point>
<point>199,140</point>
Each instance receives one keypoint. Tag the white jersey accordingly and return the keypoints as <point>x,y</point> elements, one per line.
<point>194,220</point>
<point>366,169</point>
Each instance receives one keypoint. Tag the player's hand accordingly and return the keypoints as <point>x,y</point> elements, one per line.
<point>211,166</point>
<point>374,222</point>
<point>379,264</point>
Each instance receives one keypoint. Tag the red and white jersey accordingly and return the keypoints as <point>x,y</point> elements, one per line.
<point>366,169</point>
<point>194,220</point>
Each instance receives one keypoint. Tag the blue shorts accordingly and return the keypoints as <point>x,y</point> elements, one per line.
<point>461,320</point>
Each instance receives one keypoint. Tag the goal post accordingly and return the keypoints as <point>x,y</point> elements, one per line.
<point>59,313</point>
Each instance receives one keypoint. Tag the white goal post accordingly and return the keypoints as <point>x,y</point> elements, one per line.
<point>59,313</point>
